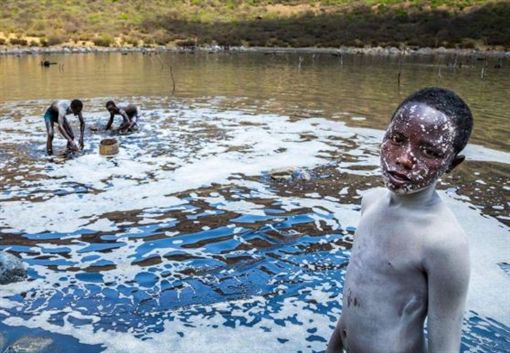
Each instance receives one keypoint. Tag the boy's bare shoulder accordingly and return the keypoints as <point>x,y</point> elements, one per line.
<point>444,234</point>
<point>371,196</point>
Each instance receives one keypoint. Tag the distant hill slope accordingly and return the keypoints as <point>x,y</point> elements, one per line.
<point>290,23</point>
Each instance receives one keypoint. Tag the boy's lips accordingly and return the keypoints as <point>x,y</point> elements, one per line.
<point>398,178</point>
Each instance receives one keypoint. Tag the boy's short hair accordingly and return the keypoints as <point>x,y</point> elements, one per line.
<point>110,103</point>
<point>76,104</point>
<point>451,105</point>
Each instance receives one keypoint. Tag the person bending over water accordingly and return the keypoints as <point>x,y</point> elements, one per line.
<point>409,259</point>
<point>56,113</point>
<point>129,115</point>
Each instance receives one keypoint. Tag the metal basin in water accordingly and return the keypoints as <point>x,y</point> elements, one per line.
<point>108,147</point>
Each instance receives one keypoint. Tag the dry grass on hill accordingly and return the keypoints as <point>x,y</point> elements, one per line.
<point>287,23</point>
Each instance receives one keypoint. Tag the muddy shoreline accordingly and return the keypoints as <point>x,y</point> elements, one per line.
<point>375,51</point>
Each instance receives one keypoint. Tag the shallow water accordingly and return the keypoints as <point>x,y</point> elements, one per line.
<point>183,240</point>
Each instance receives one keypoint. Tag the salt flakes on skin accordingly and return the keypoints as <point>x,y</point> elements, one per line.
<point>424,170</point>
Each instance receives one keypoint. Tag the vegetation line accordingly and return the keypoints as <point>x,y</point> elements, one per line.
<point>477,24</point>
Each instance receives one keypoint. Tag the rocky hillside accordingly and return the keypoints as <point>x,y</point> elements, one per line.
<point>282,23</point>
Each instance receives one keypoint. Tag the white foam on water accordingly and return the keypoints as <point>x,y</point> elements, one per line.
<point>484,154</point>
<point>489,243</point>
<point>204,167</point>
<point>243,207</point>
<point>342,215</point>
<point>204,146</point>
<point>195,332</point>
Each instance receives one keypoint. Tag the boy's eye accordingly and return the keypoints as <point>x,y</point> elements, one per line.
<point>397,139</point>
<point>430,152</point>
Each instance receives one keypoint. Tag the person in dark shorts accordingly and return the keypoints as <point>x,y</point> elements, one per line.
<point>128,113</point>
<point>56,113</point>
<point>410,257</point>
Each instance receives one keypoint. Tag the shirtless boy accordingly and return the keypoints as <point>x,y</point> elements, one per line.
<point>410,259</point>
<point>56,113</point>
<point>128,113</point>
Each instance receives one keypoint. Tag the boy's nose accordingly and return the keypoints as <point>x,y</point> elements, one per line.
<point>406,160</point>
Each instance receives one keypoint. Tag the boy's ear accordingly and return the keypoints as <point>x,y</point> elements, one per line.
<point>458,159</point>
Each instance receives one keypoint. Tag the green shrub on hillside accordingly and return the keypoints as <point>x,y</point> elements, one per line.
<point>316,23</point>
<point>105,40</point>
<point>134,42</point>
<point>186,43</point>
<point>54,39</point>
<point>161,37</point>
<point>17,41</point>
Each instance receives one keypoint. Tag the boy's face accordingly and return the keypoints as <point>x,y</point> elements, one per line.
<point>417,148</point>
<point>111,108</point>
<point>76,110</point>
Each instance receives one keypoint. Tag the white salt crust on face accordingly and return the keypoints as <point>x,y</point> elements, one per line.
<point>136,180</point>
<point>444,142</point>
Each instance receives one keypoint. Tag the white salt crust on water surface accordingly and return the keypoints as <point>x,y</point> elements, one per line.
<point>204,167</point>
<point>198,331</point>
<point>487,296</point>
<point>489,243</point>
<point>141,179</point>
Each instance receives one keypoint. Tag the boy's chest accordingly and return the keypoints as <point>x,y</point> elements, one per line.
<point>387,241</point>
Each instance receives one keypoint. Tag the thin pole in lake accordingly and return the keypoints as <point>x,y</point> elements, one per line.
<point>399,69</point>
<point>484,67</point>
<point>499,64</point>
<point>453,65</point>
<point>163,64</point>
<point>173,80</point>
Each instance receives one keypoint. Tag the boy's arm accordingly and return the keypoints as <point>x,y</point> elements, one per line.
<point>61,116</point>
<point>447,267</point>
<point>125,120</point>
<point>125,117</point>
<point>133,119</point>
<point>82,128</point>
<point>110,122</point>
<point>335,344</point>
